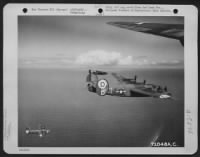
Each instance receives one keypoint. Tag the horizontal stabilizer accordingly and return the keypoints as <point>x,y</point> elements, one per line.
<point>99,72</point>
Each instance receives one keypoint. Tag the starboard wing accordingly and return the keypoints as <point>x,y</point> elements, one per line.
<point>137,91</point>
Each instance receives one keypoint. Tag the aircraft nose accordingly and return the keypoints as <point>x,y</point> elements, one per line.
<point>165,96</point>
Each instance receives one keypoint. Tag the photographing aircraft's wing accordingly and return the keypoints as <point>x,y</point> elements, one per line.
<point>175,31</point>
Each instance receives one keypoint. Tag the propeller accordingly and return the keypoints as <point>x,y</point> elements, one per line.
<point>165,89</point>
<point>135,77</point>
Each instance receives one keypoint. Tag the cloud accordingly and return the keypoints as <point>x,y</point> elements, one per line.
<point>168,62</point>
<point>98,58</point>
<point>105,58</point>
<point>101,57</point>
<point>37,61</point>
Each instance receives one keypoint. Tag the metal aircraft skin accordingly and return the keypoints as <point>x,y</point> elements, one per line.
<point>174,31</point>
<point>41,132</point>
<point>129,87</point>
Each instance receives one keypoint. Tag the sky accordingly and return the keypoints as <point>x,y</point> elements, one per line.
<point>75,42</point>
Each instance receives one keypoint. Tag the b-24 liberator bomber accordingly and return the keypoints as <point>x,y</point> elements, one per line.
<point>128,87</point>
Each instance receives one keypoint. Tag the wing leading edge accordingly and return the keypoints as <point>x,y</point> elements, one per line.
<point>174,31</point>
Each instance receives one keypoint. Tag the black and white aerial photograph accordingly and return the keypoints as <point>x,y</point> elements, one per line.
<point>100,81</point>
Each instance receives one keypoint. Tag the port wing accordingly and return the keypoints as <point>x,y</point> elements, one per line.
<point>125,80</point>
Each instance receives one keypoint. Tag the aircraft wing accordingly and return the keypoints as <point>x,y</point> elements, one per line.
<point>174,31</point>
<point>122,79</point>
<point>142,91</point>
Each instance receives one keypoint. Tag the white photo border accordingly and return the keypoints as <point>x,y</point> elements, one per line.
<point>10,77</point>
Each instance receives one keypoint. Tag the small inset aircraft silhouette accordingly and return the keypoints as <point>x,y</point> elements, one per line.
<point>41,132</point>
